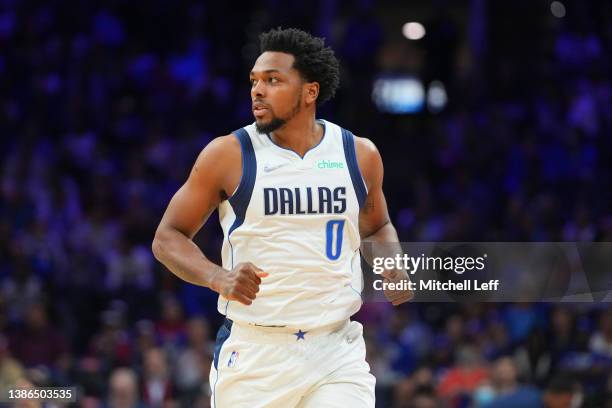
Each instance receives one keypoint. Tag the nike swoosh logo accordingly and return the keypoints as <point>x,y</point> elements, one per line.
<point>268,169</point>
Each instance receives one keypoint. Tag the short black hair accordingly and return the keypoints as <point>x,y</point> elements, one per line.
<point>313,60</point>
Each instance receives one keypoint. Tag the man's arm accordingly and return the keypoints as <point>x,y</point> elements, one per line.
<point>378,235</point>
<point>214,176</point>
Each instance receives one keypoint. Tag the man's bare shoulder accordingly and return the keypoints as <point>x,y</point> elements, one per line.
<point>220,160</point>
<point>221,148</point>
<point>365,147</point>
<point>368,157</point>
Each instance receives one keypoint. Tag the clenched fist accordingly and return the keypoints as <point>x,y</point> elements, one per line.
<point>398,296</point>
<point>241,283</point>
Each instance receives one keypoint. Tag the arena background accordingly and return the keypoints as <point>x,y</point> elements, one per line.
<point>494,126</point>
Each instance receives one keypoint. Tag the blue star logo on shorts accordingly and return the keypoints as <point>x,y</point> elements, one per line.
<point>300,335</point>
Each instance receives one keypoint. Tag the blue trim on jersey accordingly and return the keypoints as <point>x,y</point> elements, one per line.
<point>222,335</point>
<point>307,151</point>
<point>348,141</point>
<point>351,284</point>
<point>232,267</point>
<point>240,200</point>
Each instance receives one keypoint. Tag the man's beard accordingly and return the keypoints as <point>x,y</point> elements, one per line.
<point>271,126</point>
<point>276,122</point>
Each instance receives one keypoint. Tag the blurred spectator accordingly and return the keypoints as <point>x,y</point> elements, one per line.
<point>92,378</point>
<point>601,341</point>
<point>10,369</point>
<point>123,390</point>
<point>417,390</point>
<point>403,393</point>
<point>504,390</point>
<point>170,329</point>
<point>425,397</point>
<point>37,342</point>
<point>405,340</point>
<point>561,392</point>
<point>129,269</point>
<point>112,344</point>
<point>20,288</point>
<point>157,388</point>
<point>190,379</point>
<point>145,338</point>
<point>423,377</point>
<point>462,380</point>
<point>497,341</point>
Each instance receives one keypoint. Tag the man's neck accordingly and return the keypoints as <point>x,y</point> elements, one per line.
<point>299,135</point>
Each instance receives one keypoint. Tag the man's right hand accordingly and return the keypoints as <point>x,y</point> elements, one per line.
<point>241,283</point>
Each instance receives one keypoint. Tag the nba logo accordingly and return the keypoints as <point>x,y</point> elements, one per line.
<point>232,359</point>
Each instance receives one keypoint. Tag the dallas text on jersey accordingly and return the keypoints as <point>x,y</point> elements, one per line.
<point>319,200</point>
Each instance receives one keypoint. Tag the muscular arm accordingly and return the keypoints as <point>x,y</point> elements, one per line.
<point>375,226</point>
<point>213,177</point>
<point>374,222</point>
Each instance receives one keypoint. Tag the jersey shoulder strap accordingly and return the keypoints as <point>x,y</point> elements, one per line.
<point>350,154</point>
<point>241,198</point>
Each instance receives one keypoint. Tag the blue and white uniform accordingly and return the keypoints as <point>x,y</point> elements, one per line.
<point>297,218</point>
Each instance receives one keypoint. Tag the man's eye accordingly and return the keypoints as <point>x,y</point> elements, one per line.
<point>252,81</point>
<point>273,80</point>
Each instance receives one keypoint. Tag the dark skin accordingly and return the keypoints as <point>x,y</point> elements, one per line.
<point>278,91</point>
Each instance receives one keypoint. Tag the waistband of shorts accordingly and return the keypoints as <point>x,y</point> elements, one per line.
<point>267,334</point>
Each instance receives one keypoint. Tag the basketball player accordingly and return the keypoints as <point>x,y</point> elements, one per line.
<point>296,197</point>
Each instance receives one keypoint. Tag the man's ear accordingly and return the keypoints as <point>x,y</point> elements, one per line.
<point>311,92</point>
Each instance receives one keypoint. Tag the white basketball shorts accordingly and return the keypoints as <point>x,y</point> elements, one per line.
<point>257,367</point>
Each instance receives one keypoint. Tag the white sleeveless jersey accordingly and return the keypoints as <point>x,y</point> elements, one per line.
<point>297,219</point>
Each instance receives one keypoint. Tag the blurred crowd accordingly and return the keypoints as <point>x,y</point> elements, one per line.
<point>104,108</point>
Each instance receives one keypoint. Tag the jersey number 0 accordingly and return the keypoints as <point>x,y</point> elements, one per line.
<point>329,232</point>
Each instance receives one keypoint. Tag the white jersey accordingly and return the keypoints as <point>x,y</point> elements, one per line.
<point>297,219</point>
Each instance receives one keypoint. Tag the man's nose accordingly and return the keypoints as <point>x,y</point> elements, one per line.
<point>258,89</point>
